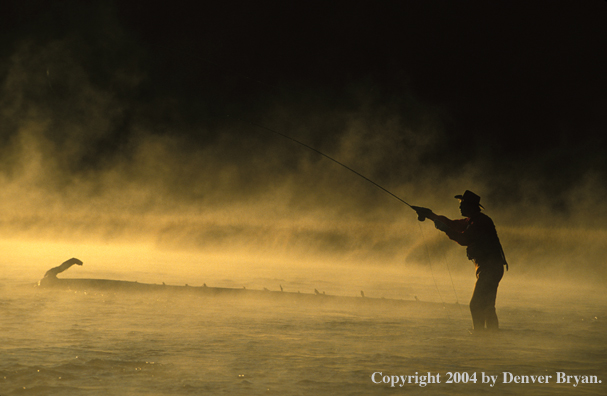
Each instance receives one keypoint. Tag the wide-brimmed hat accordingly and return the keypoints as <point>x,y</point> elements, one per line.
<point>470,197</point>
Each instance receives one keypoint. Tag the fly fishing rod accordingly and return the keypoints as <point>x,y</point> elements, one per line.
<point>421,216</point>
<point>420,211</point>
<point>336,161</point>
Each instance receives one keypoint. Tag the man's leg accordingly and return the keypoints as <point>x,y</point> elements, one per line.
<point>482,304</point>
<point>476,307</point>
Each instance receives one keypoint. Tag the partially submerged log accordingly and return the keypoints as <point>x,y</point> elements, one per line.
<point>50,281</point>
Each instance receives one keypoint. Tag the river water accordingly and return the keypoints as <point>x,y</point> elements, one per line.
<point>85,342</point>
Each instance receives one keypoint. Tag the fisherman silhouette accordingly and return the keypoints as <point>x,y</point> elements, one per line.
<point>477,232</point>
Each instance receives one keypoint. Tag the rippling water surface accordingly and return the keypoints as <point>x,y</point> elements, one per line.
<point>58,342</point>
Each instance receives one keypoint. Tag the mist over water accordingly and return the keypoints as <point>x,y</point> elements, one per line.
<point>156,176</point>
<point>58,342</point>
<point>88,162</point>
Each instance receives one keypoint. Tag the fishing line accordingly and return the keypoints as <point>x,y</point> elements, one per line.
<point>453,285</point>
<point>432,271</point>
<point>451,277</point>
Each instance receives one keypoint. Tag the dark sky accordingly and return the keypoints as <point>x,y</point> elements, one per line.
<point>512,85</point>
<point>516,70</point>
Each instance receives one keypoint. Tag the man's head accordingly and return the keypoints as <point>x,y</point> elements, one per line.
<point>469,203</point>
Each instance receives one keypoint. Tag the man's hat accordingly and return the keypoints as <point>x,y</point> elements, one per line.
<point>470,197</point>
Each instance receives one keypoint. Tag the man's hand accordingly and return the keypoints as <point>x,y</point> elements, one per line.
<point>422,213</point>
